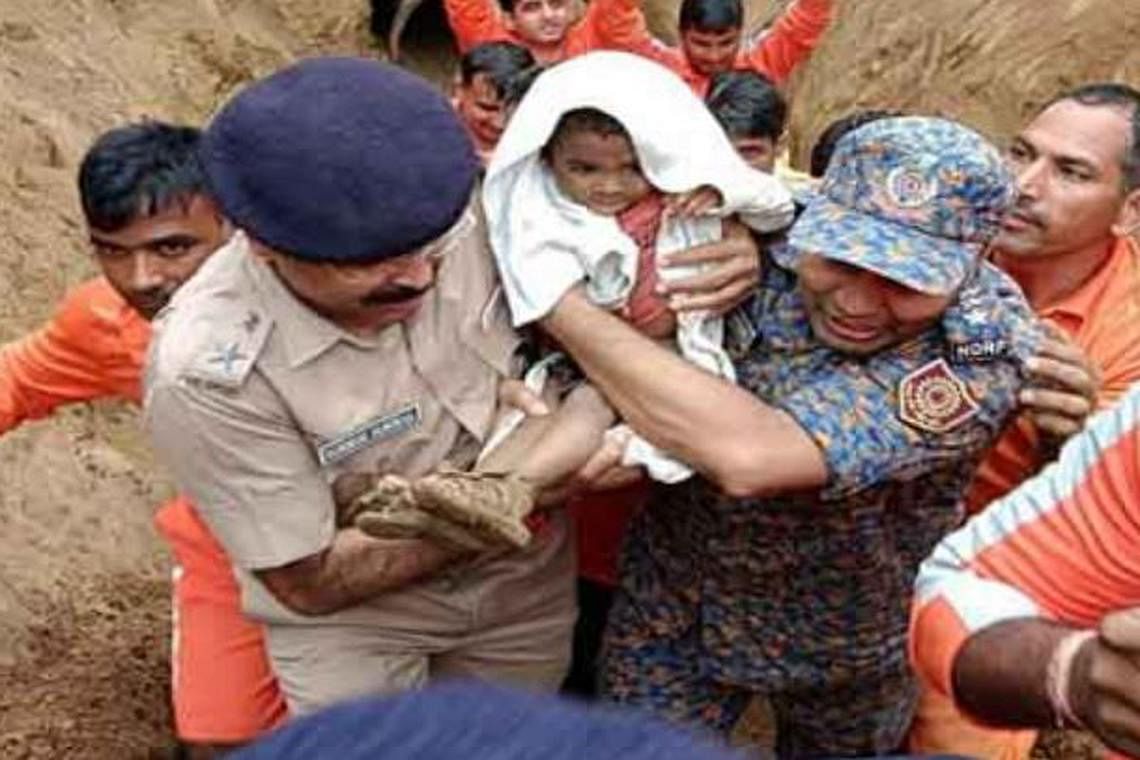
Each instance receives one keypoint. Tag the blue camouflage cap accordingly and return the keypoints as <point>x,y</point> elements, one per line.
<point>340,159</point>
<point>913,199</point>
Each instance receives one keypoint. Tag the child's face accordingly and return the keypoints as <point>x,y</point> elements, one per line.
<point>710,52</point>
<point>544,22</point>
<point>599,171</point>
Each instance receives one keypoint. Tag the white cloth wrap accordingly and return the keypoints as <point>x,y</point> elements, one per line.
<point>544,243</point>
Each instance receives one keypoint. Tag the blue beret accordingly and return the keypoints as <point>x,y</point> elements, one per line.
<point>461,721</point>
<point>340,159</point>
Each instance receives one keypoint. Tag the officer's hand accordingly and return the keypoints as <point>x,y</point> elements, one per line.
<point>516,395</point>
<point>346,489</point>
<point>733,269</point>
<point>604,469</point>
<point>1104,685</point>
<point>1063,388</point>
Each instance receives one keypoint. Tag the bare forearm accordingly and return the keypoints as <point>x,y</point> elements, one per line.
<point>718,428</point>
<point>1000,674</point>
<point>353,569</point>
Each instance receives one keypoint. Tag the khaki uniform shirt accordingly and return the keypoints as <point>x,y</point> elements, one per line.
<point>257,403</point>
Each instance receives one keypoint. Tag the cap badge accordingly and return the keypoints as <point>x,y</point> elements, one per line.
<point>910,188</point>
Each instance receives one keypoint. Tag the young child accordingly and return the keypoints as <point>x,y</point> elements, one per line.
<point>608,162</point>
<point>486,72</point>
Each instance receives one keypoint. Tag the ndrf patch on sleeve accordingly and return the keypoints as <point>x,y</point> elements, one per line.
<point>934,399</point>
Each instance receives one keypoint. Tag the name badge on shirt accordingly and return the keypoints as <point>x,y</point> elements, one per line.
<point>371,432</point>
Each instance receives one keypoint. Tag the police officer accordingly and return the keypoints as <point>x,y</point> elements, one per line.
<point>865,402</point>
<point>351,325</point>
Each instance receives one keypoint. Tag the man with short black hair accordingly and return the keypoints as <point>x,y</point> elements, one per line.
<point>753,114</point>
<point>552,30</point>
<point>712,40</point>
<point>152,224</point>
<point>487,73</point>
<point>1069,242</point>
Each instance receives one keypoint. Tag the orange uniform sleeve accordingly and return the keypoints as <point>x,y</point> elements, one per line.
<point>1113,340</point>
<point>620,25</point>
<point>1109,335</point>
<point>77,356</point>
<point>474,22</point>
<point>791,39</point>
<point>1061,546</point>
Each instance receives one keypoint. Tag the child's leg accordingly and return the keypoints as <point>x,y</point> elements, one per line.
<point>544,451</point>
<point>494,500</point>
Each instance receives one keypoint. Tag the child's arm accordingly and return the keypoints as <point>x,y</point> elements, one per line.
<point>474,22</point>
<point>791,39</point>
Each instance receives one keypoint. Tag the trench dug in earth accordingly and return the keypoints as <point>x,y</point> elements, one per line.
<point>84,612</point>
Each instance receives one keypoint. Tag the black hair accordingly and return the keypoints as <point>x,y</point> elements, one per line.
<point>747,104</point>
<point>499,61</point>
<point>711,15</point>
<point>825,146</point>
<point>519,85</point>
<point>584,120</point>
<point>1114,95</point>
<point>137,171</point>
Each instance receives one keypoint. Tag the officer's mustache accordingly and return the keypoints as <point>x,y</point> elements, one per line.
<point>1023,211</point>
<point>391,296</point>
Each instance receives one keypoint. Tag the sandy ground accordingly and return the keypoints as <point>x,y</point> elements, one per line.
<point>83,610</point>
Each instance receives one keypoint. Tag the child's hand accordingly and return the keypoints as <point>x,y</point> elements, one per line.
<point>693,203</point>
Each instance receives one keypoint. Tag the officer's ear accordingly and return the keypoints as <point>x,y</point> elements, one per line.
<point>1128,220</point>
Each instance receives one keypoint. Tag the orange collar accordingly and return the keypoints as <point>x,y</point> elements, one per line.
<point>1118,270</point>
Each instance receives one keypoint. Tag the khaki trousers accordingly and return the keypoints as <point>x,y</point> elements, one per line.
<point>509,621</point>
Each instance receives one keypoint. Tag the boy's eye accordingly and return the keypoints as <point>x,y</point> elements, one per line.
<point>110,252</point>
<point>172,250</point>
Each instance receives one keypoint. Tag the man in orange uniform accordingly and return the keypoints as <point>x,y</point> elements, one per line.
<point>1029,616</point>
<point>712,40</point>
<point>712,33</point>
<point>486,72</point>
<point>553,30</point>
<point>151,226</point>
<point>1067,244</point>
